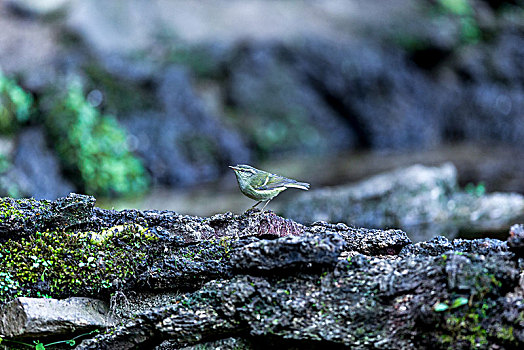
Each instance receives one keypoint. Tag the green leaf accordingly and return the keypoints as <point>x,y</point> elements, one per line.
<point>39,346</point>
<point>459,302</point>
<point>439,307</point>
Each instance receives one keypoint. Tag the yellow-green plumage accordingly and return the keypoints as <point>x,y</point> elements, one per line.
<point>261,185</point>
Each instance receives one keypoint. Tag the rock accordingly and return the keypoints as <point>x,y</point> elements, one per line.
<point>121,27</point>
<point>491,91</point>
<point>260,277</point>
<point>186,229</point>
<point>39,7</point>
<point>499,60</point>
<point>403,197</point>
<point>183,144</point>
<point>289,252</point>
<point>73,210</point>
<point>20,38</point>
<point>440,245</point>
<point>363,302</point>
<point>363,240</point>
<point>283,112</point>
<point>43,317</point>
<point>372,88</point>
<point>36,169</point>
<point>516,239</point>
<point>406,198</point>
<point>21,217</point>
<point>182,252</point>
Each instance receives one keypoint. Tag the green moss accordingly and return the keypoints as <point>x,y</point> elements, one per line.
<point>459,13</point>
<point>473,320</point>
<point>470,32</point>
<point>15,105</point>
<point>60,263</point>
<point>93,148</point>
<point>15,110</point>
<point>8,210</point>
<point>477,190</point>
<point>466,327</point>
<point>457,7</point>
<point>506,333</point>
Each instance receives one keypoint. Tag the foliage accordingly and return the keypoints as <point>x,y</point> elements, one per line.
<point>93,148</point>
<point>477,190</point>
<point>457,16</point>
<point>463,10</point>
<point>15,105</point>
<point>61,263</point>
<point>15,110</point>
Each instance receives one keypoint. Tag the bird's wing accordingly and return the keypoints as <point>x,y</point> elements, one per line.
<point>271,182</point>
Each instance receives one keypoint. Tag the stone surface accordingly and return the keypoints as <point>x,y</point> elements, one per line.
<point>406,198</point>
<point>362,302</point>
<point>42,317</point>
<point>289,252</point>
<point>19,41</point>
<point>492,95</point>
<point>363,240</point>
<point>440,245</point>
<point>516,239</point>
<point>371,87</point>
<point>36,170</point>
<point>21,217</point>
<point>261,278</point>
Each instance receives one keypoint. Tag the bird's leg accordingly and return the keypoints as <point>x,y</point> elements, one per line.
<point>253,207</point>
<point>265,205</point>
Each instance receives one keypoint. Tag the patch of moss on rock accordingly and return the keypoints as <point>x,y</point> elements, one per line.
<point>63,263</point>
<point>93,148</point>
<point>15,105</point>
<point>21,217</point>
<point>475,302</point>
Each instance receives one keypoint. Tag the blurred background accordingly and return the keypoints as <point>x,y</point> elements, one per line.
<point>144,103</point>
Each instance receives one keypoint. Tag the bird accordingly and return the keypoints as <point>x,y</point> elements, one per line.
<point>261,185</point>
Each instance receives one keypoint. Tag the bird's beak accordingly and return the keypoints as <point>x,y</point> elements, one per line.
<point>232,167</point>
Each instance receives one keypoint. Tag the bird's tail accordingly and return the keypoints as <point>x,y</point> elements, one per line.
<point>301,185</point>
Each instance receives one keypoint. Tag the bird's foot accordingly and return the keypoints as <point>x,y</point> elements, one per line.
<point>253,210</point>
<point>258,211</point>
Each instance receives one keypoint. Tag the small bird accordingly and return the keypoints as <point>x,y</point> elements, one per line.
<point>261,185</point>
